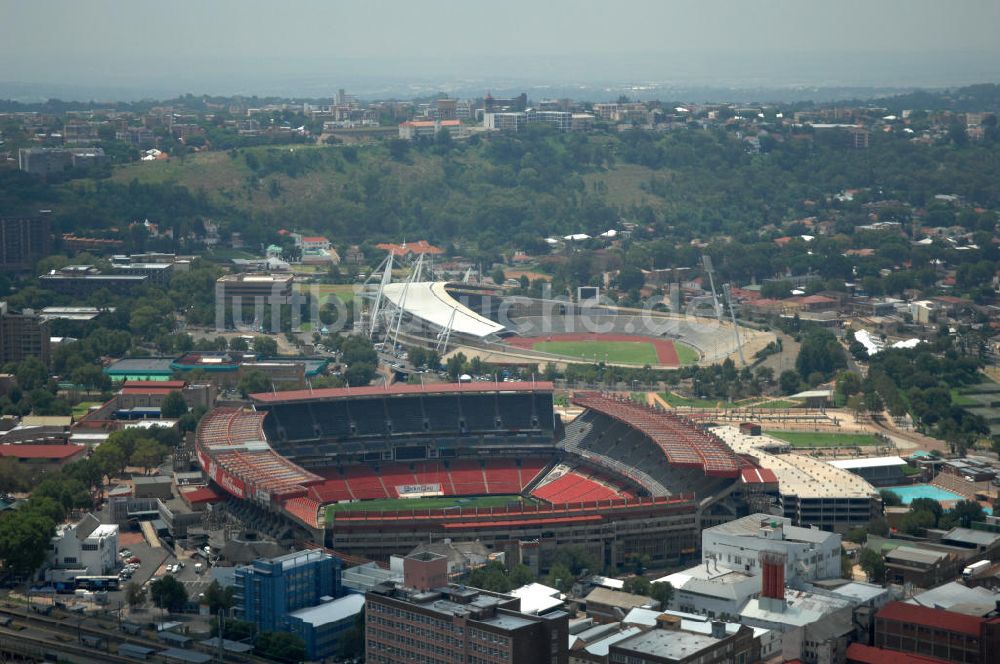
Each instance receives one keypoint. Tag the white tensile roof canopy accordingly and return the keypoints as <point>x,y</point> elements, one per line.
<point>430,302</point>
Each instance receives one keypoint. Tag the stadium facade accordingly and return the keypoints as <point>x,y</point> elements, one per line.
<point>623,480</point>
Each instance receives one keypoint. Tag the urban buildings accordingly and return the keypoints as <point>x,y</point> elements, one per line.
<point>412,129</point>
<point>948,635</point>
<point>52,161</point>
<point>88,548</point>
<point>425,619</point>
<point>299,593</point>
<point>24,240</point>
<point>84,280</point>
<point>23,335</point>
<point>668,643</point>
<point>810,553</point>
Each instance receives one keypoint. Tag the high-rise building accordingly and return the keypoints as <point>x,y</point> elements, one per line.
<point>426,619</point>
<point>23,240</point>
<point>22,336</point>
<point>298,593</point>
<point>269,589</point>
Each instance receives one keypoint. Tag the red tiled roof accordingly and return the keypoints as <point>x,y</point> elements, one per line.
<point>40,451</point>
<point>859,653</point>
<point>202,494</point>
<point>938,618</point>
<point>314,238</point>
<point>521,522</point>
<point>419,247</point>
<point>147,390</point>
<point>399,388</point>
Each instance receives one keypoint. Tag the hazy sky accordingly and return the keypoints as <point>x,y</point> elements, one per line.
<point>200,43</point>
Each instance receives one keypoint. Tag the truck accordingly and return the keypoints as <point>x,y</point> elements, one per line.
<point>975,568</point>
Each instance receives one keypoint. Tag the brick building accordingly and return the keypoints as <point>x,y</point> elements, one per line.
<point>425,619</point>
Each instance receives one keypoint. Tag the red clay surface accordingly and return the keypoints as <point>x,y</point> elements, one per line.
<point>666,354</point>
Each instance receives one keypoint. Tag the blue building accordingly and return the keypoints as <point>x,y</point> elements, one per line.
<point>269,589</point>
<point>297,593</point>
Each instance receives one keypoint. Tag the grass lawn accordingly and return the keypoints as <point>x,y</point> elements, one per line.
<point>679,401</point>
<point>615,352</point>
<point>961,399</point>
<point>814,439</point>
<point>686,354</point>
<point>432,502</point>
<point>80,409</point>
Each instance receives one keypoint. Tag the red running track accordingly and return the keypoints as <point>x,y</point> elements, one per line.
<point>666,354</point>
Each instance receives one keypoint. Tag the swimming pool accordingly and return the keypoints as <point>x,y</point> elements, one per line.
<point>909,492</point>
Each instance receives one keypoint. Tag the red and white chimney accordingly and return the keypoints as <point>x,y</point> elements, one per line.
<point>772,590</point>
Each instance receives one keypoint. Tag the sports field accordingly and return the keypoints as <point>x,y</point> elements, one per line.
<point>429,503</point>
<point>612,348</point>
<point>615,352</point>
<point>813,439</point>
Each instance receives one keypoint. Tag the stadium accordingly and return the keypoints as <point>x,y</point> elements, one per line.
<point>481,321</point>
<point>375,471</point>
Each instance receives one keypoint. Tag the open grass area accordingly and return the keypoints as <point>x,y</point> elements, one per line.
<point>960,399</point>
<point>80,409</point>
<point>686,354</point>
<point>325,291</point>
<point>678,401</point>
<point>429,503</point>
<point>615,352</point>
<point>815,439</point>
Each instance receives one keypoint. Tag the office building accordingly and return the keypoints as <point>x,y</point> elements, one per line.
<point>23,335</point>
<point>505,121</point>
<point>250,289</point>
<point>24,240</point>
<point>810,553</point>
<point>52,161</point>
<point>270,589</point>
<point>88,548</point>
<point>949,635</point>
<point>427,620</point>
<point>669,643</point>
<point>84,280</point>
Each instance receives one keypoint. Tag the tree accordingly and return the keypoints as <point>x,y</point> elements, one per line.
<point>965,512</point>
<point>173,405</point>
<point>253,382</point>
<point>890,498</point>
<point>637,585</point>
<point>282,646</point>
<point>560,577</point>
<point>168,593</point>
<point>110,458</point>
<point>789,381</point>
<point>576,558</point>
<point>927,505</point>
<point>492,576</point>
<point>24,539</point>
<point>662,592</point>
<point>521,575</point>
<point>265,346</point>
<point>498,275</point>
<point>148,453</point>
<point>218,598</point>
<point>630,278</point>
<point>873,565</point>
<point>916,522</point>
<point>238,344</point>
<point>359,374</point>
<point>135,594</point>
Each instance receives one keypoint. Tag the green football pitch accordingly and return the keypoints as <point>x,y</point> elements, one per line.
<point>615,352</point>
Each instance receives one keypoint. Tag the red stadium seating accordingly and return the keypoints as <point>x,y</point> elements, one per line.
<point>574,487</point>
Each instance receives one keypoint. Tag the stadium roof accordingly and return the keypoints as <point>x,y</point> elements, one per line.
<point>399,389</point>
<point>799,475</point>
<point>54,452</point>
<point>876,462</point>
<point>430,302</point>
<point>682,443</point>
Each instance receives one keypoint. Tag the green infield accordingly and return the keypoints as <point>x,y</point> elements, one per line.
<point>686,354</point>
<point>615,352</point>
<point>428,503</point>
<point>814,439</point>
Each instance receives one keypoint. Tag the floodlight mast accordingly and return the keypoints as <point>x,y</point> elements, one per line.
<point>706,260</point>
<point>386,278</point>
<point>728,292</point>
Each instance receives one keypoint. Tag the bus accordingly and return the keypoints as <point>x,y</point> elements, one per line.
<point>97,582</point>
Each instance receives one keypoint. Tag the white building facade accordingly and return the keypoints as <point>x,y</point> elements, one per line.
<point>88,548</point>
